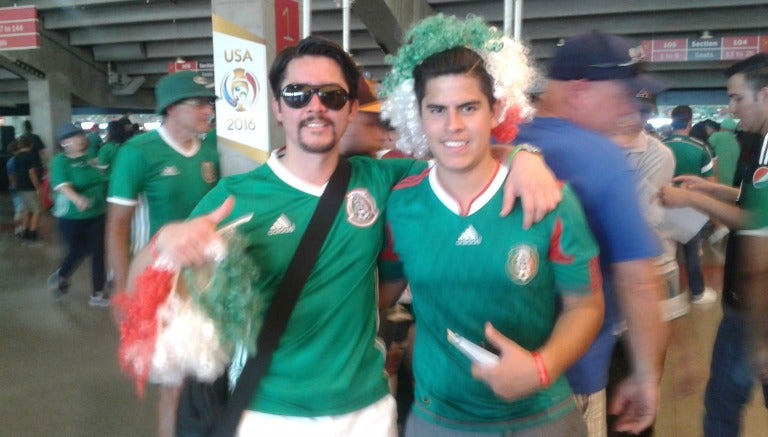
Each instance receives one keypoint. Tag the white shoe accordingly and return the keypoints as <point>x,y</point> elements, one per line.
<point>98,299</point>
<point>708,297</point>
<point>57,286</point>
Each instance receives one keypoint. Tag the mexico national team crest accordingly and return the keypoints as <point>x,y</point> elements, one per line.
<point>522,264</point>
<point>208,172</point>
<point>760,177</point>
<point>361,208</point>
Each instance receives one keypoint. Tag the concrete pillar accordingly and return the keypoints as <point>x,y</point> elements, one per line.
<point>387,20</point>
<point>258,18</point>
<point>50,106</point>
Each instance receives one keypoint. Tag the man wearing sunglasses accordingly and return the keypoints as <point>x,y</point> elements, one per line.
<point>327,376</point>
<point>160,176</point>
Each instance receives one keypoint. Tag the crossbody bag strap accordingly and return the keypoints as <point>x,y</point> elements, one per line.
<point>279,312</point>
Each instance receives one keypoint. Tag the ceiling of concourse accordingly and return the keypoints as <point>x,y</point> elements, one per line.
<point>125,46</point>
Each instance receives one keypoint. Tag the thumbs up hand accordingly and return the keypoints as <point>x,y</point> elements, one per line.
<point>194,242</point>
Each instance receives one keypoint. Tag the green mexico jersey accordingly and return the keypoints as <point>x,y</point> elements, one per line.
<point>468,269</point>
<point>328,361</point>
<point>754,194</point>
<point>164,184</point>
<point>728,150</point>
<point>691,156</point>
<point>107,154</point>
<point>85,179</point>
<point>94,144</point>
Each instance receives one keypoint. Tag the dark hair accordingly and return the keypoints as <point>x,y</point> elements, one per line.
<point>314,46</point>
<point>754,69</point>
<point>458,60</point>
<point>116,132</point>
<point>27,126</point>
<point>681,116</point>
<point>699,131</point>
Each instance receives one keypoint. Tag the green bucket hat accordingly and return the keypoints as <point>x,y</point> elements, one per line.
<point>179,86</point>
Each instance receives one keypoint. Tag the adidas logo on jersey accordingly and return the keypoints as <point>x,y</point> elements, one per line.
<point>469,237</point>
<point>169,171</point>
<point>282,225</point>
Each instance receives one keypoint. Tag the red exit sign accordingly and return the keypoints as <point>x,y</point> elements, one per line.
<point>174,67</point>
<point>18,28</point>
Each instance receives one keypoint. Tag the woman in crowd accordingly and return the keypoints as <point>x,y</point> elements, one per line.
<point>80,207</point>
<point>116,136</point>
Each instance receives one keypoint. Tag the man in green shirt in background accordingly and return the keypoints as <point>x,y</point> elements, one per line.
<point>727,150</point>
<point>691,158</point>
<point>158,177</point>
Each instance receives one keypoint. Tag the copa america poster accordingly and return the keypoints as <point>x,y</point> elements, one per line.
<point>240,80</point>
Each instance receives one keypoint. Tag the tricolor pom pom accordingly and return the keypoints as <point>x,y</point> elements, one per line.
<point>187,344</point>
<point>225,291</point>
<point>507,130</point>
<point>168,333</point>
<point>139,324</point>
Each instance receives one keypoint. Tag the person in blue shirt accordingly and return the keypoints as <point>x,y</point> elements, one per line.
<point>591,85</point>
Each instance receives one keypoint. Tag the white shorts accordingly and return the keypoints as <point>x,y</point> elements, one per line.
<point>376,420</point>
<point>593,409</point>
<point>677,304</point>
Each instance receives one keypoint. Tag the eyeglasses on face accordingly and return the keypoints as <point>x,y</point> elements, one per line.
<point>198,102</point>
<point>73,141</point>
<point>297,95</point>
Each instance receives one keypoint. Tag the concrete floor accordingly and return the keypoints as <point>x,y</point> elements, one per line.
<point>681,416</point>
<point>58,365</point>
<point>59,374</point>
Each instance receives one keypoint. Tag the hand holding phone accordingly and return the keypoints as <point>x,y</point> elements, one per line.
<point>474,352</point>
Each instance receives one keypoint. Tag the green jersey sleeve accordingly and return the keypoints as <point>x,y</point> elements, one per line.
<point>754,200</point>
<point>127,175</point>
<point>107,154</point>
<point>573,250</point>
<point>212,200</point>
<point>390,267</point>
<point>397,169</point>
<point>59,171</point>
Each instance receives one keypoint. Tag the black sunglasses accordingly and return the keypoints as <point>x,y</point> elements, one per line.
<point>297,95</point>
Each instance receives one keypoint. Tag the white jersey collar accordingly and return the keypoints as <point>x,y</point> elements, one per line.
<point>446,199</point>
<point>282,172</point>
<point>176,146</point>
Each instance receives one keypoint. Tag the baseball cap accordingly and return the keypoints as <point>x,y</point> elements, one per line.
<point>366,95</point>
<point>68,130</point>
<point>601,56</point>
<point>179,86</point>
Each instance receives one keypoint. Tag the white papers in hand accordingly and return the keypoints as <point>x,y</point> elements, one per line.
<point>682,224</point>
